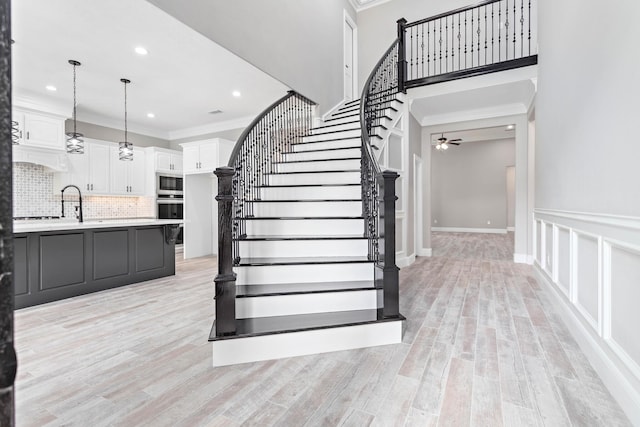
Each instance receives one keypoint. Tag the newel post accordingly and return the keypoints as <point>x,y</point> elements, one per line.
<point>390,272</point>
<point>402,62</point>
<point>225,281</point>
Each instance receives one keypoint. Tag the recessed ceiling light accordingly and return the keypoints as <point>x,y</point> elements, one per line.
<point>51,88</point>
<point>236,93</point>
<point>151,115</point>
<point>141,51</point>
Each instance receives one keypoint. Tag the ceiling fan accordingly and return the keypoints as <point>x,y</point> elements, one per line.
<point>443,143</point>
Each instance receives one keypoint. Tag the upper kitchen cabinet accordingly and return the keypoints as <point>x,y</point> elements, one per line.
<point>127,177</point>
<point>42,130</point>
<point>205,156</point>
<point>165,161</point>
<point>89,171</point>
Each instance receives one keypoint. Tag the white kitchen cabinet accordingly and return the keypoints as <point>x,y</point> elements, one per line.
<point>40,130</point>
<point>89,171</point>
<point>168,162</point>
<point>205,156</point>
<point>127,178</point>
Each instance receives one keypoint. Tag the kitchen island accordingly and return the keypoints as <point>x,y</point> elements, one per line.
<point>60,259</point>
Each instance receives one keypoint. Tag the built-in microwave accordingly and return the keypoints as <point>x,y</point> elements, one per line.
<point>169,185</point>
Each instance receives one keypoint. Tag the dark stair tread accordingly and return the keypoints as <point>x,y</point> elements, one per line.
<point>336,131</point>
<point>323,171</point>
<point>325,140</point>
<point>277,289</point>
<point>353,102</point>
<point>317,160</point>
<point>322,149</point>
<point>307,185</point>
<point>251,218</point>
<point>258,326</point>
<point>303,260</point>
<point>301,237</point>
<point>301,200</point>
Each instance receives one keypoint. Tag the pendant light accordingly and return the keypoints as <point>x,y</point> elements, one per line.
<point>126,148</point>
<point>75,143</point>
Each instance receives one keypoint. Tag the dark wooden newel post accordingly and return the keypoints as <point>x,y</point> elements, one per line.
<point>226,279</point>
<point>391,296</point>
<point>402,63</point>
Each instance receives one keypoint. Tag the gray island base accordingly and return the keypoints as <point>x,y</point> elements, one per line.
<point>55,264</point>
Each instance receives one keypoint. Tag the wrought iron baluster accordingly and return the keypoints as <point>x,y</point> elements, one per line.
<point>440,44</point>
<point>478,32</point>
<point>499,31</point>
<point>486,33</point>
<point>514,29</point>
<point>529,27</point>
<point>493,27</point>
<point>521,28</point>
<point>446,44</point>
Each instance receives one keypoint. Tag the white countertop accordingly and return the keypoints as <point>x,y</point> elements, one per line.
<point>30,226</point>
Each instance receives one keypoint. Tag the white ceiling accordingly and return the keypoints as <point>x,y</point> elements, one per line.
<point>183,77</point>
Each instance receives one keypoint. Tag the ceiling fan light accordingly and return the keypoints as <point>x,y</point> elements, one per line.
<point>445,146</point>
<point>438,147</point>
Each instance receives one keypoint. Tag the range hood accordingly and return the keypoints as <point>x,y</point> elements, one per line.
<point>53,160</point>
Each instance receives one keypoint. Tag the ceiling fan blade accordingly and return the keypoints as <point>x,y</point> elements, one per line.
<point>453,143</point>
<point>454,140</point>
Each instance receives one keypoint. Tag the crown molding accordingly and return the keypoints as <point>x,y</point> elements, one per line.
<point>360,5</point>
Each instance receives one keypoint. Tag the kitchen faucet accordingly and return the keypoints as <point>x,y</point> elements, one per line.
<point>79,196</point>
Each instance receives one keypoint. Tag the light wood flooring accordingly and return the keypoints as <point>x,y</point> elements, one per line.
<point>481,347</point>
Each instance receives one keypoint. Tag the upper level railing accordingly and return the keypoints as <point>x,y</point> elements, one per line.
<point>494,35</point>
<point>378,188</point>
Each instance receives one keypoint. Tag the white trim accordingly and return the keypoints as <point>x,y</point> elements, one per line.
<point>470,230</point>
<point>511,229</point>
<point>238,123</point>
<point>425,252</point>
<point>354,53</point>
<point>406,261</point>
<point>631,222</point>
<point>469,115</point>
<point>523,259</point>
<point>333,109</point>
<point>290,344</point>
<point>417,203</point>
<point>359,7</point>
<point>596,324</point>
<point>613,377</point>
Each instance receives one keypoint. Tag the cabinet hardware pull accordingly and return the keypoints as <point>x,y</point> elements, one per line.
<point>27,134</point>
<point>87,187</point>
<point>92,186</point>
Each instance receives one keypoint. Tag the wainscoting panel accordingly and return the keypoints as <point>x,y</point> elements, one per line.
<point>587,285</point>
<point>623,294</point>
<point>563,260</point>
<point>592,262</point>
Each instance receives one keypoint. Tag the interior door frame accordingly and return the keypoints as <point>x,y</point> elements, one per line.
<point>354,53</point>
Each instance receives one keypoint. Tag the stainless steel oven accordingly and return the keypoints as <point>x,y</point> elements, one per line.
<point>171,207</point>
<point>169,185</point>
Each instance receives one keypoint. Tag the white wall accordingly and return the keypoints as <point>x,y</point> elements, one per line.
<point>469,186</point>
<point>587,179</point>
<point>297,42</point>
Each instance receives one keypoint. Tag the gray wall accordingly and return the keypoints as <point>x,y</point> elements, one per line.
<point>415,137</point>
<point>103,133</point>
<point>587,108</point>
<point>377,27</point>
<point>298,42</point>
<point>469,184</point>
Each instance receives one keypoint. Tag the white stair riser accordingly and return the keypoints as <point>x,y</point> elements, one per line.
<point>304,248</point>
<point>344,111</point>
<point>307,209</point>
<point>325,193</point>
<point>343,119</point>
<point>275,346</point>
<point>332,127</point>
<point>315,155</point>
<point>353,133</point>
<point>329,165</point>
<point>257,275</point>
<point>325,145</point>
<point>315,178</point>
<point>284,305</point>
<point>304,227</point>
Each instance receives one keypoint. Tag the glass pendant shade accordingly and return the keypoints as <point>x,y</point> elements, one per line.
<point>125,149</point>
<point>75,143</point>
<point>15,132</point>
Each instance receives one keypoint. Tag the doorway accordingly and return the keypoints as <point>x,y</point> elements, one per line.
<point>350,54</point>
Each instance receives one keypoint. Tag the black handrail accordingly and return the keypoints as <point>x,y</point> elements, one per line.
<point>378,188</point>
<point>451,12</point>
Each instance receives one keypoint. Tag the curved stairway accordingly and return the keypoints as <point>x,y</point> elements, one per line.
<point>305,283</point>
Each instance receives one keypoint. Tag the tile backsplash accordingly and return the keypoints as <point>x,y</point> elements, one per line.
<point>33,195</point>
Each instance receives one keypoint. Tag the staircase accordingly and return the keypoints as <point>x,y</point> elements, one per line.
<point>305,282</point>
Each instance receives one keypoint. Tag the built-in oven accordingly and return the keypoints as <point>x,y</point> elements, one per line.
<point>171,207</point>
<point>169,185</point>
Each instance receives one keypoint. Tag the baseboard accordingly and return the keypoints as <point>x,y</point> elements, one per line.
<point>406,261</point>
<point>425,252</point>
<point>470,230</point>
<point>614,379</point>
<point>523,259</point>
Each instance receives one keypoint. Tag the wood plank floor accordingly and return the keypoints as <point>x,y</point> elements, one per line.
<point>481,347</point>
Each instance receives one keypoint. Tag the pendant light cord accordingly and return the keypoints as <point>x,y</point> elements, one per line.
<point>74,99</point>
<point>125,112</point>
